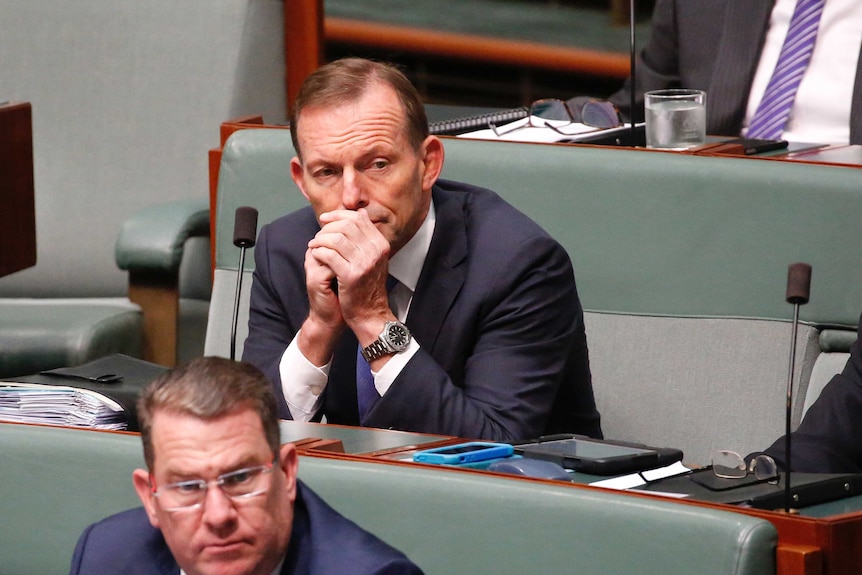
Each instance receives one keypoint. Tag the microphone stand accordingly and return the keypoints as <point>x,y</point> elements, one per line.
<point>798,289</point>
<point>244,233</point>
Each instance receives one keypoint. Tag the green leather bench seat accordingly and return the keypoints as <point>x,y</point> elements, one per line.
<point>681,264</point>
<point>55,481</point>
<point>40,334</point>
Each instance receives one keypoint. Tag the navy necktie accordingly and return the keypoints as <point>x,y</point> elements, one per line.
<point>366,393</point>
<point>773,111</point>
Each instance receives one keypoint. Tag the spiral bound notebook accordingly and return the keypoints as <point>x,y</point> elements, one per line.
<point>456,126</point>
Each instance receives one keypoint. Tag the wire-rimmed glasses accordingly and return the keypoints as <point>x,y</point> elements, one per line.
<point>731,465</point>
<point>237,485</point>
<point>550,112</point>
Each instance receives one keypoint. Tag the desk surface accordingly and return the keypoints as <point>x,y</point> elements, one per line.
<point>360,440</point>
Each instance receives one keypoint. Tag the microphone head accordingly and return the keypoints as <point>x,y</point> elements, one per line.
<point>245,227</point>
<point>798,283</point>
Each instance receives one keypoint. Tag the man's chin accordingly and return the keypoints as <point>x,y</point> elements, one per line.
<point>226,560</point>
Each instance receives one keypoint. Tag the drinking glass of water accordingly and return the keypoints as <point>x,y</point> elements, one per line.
<point>675,119</point>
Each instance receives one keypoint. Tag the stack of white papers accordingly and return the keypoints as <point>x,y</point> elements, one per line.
<point>59,405</point>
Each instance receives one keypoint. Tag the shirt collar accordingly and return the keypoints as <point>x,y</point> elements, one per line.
<point>276,571</point>
<point>406,265</point>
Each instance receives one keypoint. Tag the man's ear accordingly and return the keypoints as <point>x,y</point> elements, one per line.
<point>141,481</point>
<point>288,460</point>
<point>296,174</point>
<point>433,155</point>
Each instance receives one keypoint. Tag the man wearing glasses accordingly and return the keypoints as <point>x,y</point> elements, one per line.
<point>221,494</point>
<point>481,334</point>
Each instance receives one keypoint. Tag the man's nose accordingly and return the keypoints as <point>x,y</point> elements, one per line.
<point>352,194</point>
<point>219,509</point>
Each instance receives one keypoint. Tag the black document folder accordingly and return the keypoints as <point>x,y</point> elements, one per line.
<point>118,377</point>
<point>806,489</point>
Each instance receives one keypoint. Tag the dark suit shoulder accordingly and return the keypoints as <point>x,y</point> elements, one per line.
<point>338,545</point>
<point>485,211</point>
<point>125,543</point>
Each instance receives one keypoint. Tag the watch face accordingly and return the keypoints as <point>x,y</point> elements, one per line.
<point>398,335</point>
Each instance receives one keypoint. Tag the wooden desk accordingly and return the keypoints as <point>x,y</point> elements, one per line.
<point>360,441</point>
<point>17,204</point>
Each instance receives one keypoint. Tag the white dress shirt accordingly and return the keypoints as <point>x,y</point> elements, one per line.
<point>821,111</point>
<point>303,383</point>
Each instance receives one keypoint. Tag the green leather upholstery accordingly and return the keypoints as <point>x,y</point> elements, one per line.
<point>152,241</point>
<point>681,263</point>
<point>56,481</point>
<point>44,333</point>
<point>41,334</point>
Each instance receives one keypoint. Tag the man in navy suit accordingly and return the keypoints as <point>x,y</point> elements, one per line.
<point>829,438</point>
<point>482,335</point>
<point>221,495</point>
<point>729,49</point>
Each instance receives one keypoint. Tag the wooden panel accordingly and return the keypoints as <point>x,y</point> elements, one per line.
<point>469,47</point>
<point>17,204</point>
<point>158,295</point>
<point>303,42</point>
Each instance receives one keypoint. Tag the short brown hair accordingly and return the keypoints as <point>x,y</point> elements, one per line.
<point>207,388</point>
<point>346,80</point>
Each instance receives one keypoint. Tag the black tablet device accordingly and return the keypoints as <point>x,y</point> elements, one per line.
<point>597,456</point>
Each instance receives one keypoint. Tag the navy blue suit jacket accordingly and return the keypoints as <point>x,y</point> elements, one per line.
<point>323,542</point>
<point>829,438</point>
<point>496,312</point>
<point>711,45</point>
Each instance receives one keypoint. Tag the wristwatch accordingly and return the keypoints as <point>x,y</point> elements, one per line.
<point>394,338</point>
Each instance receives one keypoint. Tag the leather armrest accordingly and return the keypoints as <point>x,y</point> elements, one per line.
<point>150,246</point>
<point>152,239</point>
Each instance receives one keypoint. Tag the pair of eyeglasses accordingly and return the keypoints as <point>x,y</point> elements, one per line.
<point>237,485</point>
<point>549,112</point>
<point>731,465</point>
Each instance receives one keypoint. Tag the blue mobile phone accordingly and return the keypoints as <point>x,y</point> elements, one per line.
<point>464,453</point>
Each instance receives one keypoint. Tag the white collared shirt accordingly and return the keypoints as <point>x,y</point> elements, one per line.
<point>303,383</point>
<point>821,110</point>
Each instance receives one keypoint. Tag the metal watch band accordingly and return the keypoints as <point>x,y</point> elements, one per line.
<point>377,349</point>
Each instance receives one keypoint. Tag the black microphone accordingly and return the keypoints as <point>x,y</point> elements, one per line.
<point>798,290</point>
<point>244,234</point>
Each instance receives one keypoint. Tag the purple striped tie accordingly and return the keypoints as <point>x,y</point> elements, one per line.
<point>771,116</point>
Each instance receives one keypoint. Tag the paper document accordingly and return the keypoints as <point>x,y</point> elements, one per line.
<point>640,479</point>
<point>522,131</point>
<point>59,405</point>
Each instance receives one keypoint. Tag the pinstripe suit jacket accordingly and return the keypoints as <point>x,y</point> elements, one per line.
<point>712,45</point>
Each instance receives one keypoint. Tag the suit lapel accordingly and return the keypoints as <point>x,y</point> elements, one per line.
<point>443,272</point>
<point>727,97</point>
<point>856,105</point>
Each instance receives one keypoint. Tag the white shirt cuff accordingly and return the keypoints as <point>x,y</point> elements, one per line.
<point>384,378</point>
<point>302,383</point>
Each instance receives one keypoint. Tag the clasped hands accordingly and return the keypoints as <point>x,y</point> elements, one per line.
<point>346,265</point>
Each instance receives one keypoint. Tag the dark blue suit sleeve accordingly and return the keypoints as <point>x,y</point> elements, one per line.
<point>829,439</point>
<point>279,300</point>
